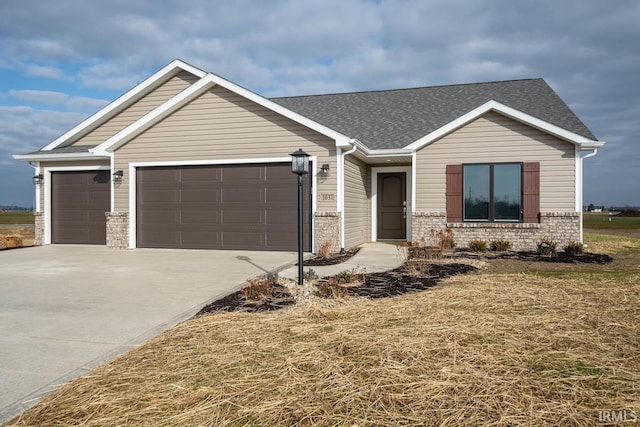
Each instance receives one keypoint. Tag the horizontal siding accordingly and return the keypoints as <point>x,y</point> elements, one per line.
<point>357,202</point>
<point>160,95</point>
<point>496,138</point>
<point>221,125</point>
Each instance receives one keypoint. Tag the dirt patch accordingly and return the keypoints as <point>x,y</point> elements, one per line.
<point>332,260</point>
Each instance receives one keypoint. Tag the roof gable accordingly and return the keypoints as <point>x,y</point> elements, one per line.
<point>124,101</point>
<point>394,119</point>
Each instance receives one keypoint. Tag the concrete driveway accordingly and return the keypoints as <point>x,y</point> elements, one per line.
<point>65,309</point>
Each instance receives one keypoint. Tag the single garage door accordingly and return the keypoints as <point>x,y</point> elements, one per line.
<point>79,201</point>
<point>251,207</point>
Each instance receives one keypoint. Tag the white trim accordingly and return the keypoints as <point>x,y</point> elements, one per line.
<point>133,166</point>
<point>584,143</point>
<point>193,92</point>
<point>374,197</point>
<point>578,180</point>
<point>58,157</point>
<point>37,188</point>
<point>143,88</point>
<point>47,192</point>
<point>112,184</point>
<point>414,181</point>
<point>580,186</point>
<point>340,204</point>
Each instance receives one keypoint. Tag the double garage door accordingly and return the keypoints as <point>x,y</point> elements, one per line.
<point>220,207</point>
<point>251,207</point>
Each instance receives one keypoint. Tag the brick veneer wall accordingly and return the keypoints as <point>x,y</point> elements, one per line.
<point>562,227</point>
<point>117,230</point>
<point>327,227</point>
<point>39,228</point>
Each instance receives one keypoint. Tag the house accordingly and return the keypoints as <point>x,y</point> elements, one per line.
<point>187,159</point>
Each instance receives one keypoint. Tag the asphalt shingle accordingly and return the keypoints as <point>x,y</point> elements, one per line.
<point>396,118</point>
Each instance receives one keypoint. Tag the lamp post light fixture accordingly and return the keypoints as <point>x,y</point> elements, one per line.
<point>38,179</point>
<point>300,166</point>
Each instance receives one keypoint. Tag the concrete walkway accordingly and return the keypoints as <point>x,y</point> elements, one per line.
<point>372,258</point>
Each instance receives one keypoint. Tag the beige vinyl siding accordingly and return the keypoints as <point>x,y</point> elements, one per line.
<point>160,95</point>
<point>221,125</point>
<point>357,202</point>
<point>496,138</point>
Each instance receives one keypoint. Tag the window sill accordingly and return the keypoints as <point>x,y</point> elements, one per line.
<point>503,225</point>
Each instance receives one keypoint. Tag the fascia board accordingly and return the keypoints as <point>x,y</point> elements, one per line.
<point>509,112</point>
<point>58,157</point>
<point>193,92</point>
<point>116,105</point>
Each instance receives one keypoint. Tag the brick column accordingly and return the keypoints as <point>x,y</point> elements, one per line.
<point>117,230</point>
<point>39,228</point>
<point>327,227</point>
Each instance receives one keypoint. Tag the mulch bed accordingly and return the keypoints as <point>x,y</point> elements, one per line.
<point>399,280</point>
<point>236,302</point>
<point>332,260</point>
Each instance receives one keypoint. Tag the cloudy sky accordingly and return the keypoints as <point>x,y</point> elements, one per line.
<point>62,60</point>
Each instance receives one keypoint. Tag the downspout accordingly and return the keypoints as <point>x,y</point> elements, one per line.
<point>346,153</point>
<point>593,153</point>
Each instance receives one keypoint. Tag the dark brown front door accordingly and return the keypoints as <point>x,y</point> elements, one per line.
<point>220,207</point>
<point>79,201</point>
<point>392,203</point>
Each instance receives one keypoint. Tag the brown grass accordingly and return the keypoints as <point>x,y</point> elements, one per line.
<point>325,248</point>
<point>483,349</point>
<point>14,234</point>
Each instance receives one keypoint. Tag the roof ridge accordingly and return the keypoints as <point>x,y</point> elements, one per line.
<point>407,88</point>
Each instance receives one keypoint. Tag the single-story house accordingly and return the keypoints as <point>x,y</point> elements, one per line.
<point>187,159</point>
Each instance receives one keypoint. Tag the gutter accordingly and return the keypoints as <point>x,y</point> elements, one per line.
<point>355,143</point>
<point>57,157</point>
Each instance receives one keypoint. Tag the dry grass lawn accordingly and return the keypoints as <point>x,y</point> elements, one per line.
<point>537,348</point>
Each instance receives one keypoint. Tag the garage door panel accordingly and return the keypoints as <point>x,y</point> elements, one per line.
<point>79,201</point>
<point>221,207</point>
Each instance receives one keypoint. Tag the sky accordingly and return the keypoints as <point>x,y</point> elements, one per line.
<point>63,60</point>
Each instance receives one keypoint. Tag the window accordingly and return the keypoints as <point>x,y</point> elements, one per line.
<point>492,192</point>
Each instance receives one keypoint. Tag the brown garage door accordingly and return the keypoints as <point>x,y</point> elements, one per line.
<point>220,207</point>
<point>79,201</point>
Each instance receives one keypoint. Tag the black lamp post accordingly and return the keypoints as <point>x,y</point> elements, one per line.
<point>300,166</point>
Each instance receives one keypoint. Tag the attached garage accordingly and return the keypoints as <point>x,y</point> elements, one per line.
<point>79,200</point>
<point>248,206</point>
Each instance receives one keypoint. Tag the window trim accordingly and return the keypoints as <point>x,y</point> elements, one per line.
<point>491,216</point>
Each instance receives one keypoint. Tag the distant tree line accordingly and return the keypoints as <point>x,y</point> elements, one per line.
<point>14,208</point>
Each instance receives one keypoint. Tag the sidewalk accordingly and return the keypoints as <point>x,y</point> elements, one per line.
<point>372,258</point>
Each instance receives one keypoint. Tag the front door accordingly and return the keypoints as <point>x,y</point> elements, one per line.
<point>392,205</point>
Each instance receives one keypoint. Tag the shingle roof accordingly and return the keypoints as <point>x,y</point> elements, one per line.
<point>396,118</point>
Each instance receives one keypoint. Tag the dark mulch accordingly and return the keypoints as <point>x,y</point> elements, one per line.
<point>398,281</point>
<point>236,302</point>
<point>560,257</point>
<point>332,260</point>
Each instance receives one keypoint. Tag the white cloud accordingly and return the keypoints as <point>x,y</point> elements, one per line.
<point>40,96</point>
<point>46,71</point>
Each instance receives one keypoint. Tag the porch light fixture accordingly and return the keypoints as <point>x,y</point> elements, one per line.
<point>300,166</point>
<point>117,176</point>
<point>325,169</point>
<point>38,179</point>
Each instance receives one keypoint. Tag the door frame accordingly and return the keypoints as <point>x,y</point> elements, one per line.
<point>374,197</point>
<point>47,192</point>
<point>133,166</point>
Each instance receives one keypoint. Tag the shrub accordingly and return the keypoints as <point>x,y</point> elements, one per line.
<point>573,248</point>
<point>500,245</point>
<point>478,245</point>
<point>348,276</point>
<point>444,238</point>
<point>310,274</point>
<point>258,289</point>
<point>546,246</point>
<point>331,289</point>
<point>324,250</point>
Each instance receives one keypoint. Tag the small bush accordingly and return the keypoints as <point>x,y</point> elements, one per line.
<point>348,276</point>
<point>331,289</point>
<point>500,245</point>
<point>324,250</point>
<point>573,248</point>
<point>272,277</point>
<point>478,245</point>
<point>310,274</point>
<point>258,289</point>
<point>444,238</point>
<point>546,246</point>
